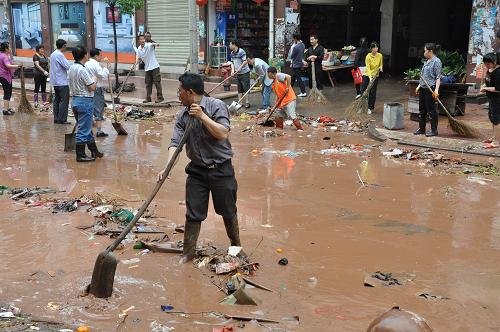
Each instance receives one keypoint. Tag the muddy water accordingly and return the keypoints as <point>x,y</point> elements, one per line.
<point>441,231</point>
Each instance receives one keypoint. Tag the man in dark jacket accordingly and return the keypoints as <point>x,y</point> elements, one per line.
<point>297,55</point>
<point>315,54</point>
<point>360,60</point>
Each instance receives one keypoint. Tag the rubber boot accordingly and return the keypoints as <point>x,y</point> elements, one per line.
<point>279,122</point>
<point>35,99</point>
<point>44,98</point>
<point>434,125</point>
<point>298,124</point>
<point>80,153</point>
<point>233,231</point>
<point>191,233</point>
<point>421,125</point>
<point>94,151</point>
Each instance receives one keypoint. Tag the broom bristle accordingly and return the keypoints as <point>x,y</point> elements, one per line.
<point>358,110</point>
<point>316,96</point>
<point>24,105</point>
<point>463,129</point>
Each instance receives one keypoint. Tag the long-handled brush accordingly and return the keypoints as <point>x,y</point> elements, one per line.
<point>315,96</point>
<point>459,127</point>
<point>24,104</point>
<point>358,110</point>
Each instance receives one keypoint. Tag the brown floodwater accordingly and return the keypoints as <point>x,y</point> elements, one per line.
<point>441,231</point>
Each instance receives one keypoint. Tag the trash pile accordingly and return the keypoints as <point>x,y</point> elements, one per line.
<point>12,319</point>
<point>137,113</point>
<point>343,126</point>
<point>19,193</point>
<point>346,149</point>
<point>428,157</point>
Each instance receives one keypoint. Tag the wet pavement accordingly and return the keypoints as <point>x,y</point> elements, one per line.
<point>437,232</point>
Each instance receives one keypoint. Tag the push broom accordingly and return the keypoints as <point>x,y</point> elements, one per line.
<point>358,110</point>
<point>315,96</point>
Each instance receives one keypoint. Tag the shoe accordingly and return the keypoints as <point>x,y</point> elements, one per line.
<point>432,133</point>
<point>160,100</point>
<point>279,122</point>
<point>420,131</point>
<point>302,95</point>
<point>233,231</point>
<point>370,111</point>
<point>101,134</point>
<point>81,156</point>
<point>146,101</point>
<point>94,151</point>
<point>357,96</point>
<point>298,125</point>
<point>191,233</point>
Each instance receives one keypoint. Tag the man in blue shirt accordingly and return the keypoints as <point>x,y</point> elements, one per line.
<point>260,67</point>
<point>297,56</point>
<point>59,67</point>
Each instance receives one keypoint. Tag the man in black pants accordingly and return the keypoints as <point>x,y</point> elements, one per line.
<point>315,54</point>
<point>210,169</point>
<point>297,55</point>
<point>431,72</point>
<point>59,67</point>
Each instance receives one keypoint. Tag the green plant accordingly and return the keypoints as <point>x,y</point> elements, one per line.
<point>412,74</point>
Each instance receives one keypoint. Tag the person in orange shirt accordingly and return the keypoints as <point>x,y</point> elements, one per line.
<point>286,100</point>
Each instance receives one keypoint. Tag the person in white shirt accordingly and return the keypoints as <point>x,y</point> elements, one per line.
<point>260,67</point>
<point>102,73</point>
<point>146,53</point>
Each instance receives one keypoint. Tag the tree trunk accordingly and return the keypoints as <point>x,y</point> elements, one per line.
<point>115,38</point>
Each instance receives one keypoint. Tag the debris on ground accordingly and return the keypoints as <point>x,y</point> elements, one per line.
<point>428,157</point>
<point>138,114</point>
<point>429,296</point>
<point>283,261</point>
<point>346,149</point>
<point>12,319</point>
<point>381,279</point>
<point>27,192</point>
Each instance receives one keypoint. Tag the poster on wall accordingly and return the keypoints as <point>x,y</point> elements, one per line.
<point>103,27</point>
<point>485,20</point>
<point>4,26</point>
<point>27,24</point>
<point>68,23</point>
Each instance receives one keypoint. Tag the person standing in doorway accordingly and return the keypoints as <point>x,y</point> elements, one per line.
<point>210,170</point>
<point>360,61</point>
<point>296,56</point>
<point>41,72</point>
<point>102,74</point>
<point>315,54</point>
<point>239,60</point>
<point>82,86</point>
<point>146,53</point>
<point>7,69</point>
<point>431,72</point>
<point>374,66</point>
<point>286,100</point>
<point>260,68</point>
<point>492,89</point>
<point>59,67</point>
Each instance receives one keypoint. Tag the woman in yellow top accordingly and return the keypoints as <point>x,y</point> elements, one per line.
<point>374,65</point>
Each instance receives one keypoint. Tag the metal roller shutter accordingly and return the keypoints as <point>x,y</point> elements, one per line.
<point>168,22</point>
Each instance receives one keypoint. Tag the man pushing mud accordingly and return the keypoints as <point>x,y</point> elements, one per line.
<point>210,169</point>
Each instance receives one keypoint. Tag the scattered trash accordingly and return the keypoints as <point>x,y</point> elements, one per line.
<point>123,215</point>
<point>7,314</point>
<point>138,114</point>
<point>394,152</point>
<point>429,296</point>
<point>313,281</point>
<point>130,261</point>
<point>279,250</point>
<point>381,279</point>
<point>124,313</point>
<point>166,308</point>
<point>228,328</point>
<point>83,329</point>
<point>236,251</point>
<point>346,149</point>
<point>283,261</point>
<point>158,327</point>
<point>225,267</point>
<point>481,181</point>
<point>67,206</point>
<point>20,193</point>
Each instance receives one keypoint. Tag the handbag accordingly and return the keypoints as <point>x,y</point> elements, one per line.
<point>357,76</point>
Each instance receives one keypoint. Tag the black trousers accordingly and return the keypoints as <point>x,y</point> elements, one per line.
<point>40,83</point>
<point>319,76</point>
<point>201,181</point>
<point>372,96</point>
<point>61,102</point>
<point>427,105</point>
<point>153,76</point>
<point>297,76</point>
<point>7,88</point>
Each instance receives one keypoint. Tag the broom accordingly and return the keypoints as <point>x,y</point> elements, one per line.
<point>459,127</point>
<point>315,96</point>
<point>358,110</point>
<point>24,104</point>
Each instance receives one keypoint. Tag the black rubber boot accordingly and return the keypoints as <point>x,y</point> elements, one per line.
<point>233,231</point>
<point>93,150</point>
<point>434,126</point>
<point>420,131</point>
<point>80,153</point>
<point>191,233</point>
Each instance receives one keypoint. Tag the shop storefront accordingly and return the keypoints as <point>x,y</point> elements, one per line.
<point>26,27</point>
<point>4,25</point>
<point>69,23</point>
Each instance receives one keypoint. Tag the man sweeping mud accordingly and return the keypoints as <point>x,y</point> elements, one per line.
<point>210,169</point>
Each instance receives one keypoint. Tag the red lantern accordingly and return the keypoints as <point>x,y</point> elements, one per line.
<point>258,2</point>
<point>201,2</point>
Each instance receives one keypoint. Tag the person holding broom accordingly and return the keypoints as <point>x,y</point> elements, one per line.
<point>285,98</point>
<point>492,89</point>
<point>41,72</point>
<point>431,72</point>
<point>374,66</point>
<point>7,69</point>
<point>210,170</point>
<point>315,54</point>
<point>82,86</point>
<point>102,73</point>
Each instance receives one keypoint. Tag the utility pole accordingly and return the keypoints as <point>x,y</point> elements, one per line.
<point>193,37</point>
<point>271,29</point>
